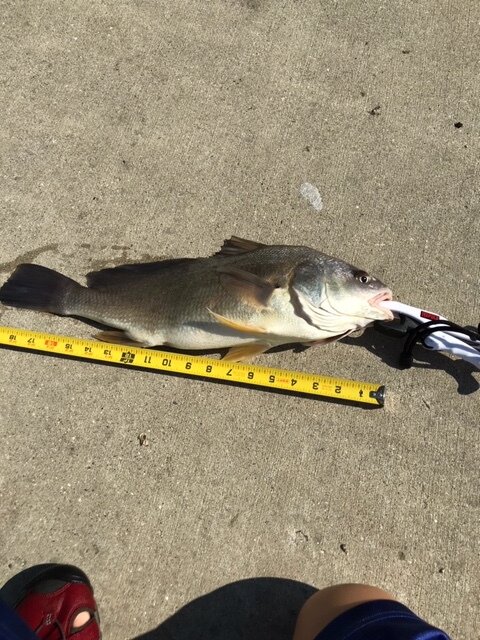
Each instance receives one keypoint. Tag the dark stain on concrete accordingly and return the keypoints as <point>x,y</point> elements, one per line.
<point>254,5</point>
<point>96,265</point>
<point>28,256</point>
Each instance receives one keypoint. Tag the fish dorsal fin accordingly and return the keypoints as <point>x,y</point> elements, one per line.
<point>113,275</point>
<point>235,246</point>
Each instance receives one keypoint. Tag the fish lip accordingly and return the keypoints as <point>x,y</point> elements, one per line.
<point>383,296</point>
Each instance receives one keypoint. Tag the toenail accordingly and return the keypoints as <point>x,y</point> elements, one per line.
<point>82,618</point>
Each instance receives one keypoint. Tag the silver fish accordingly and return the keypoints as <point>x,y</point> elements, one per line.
<point>248,297</point>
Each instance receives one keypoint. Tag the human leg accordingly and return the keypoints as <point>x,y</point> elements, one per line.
<point>329,603</point>
<point>360,612</point>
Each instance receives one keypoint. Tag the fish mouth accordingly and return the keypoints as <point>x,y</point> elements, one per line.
<point>376,301</point>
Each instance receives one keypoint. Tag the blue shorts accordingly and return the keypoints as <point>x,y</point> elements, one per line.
<point>380,620</point>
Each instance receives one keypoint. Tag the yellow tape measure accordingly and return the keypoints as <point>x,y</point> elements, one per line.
<point>247,374</point>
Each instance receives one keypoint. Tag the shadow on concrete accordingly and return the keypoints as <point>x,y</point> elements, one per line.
<point>388,349</point>
<point>257,609</point>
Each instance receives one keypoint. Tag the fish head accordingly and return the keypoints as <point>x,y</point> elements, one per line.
<point>335,294</point>
<point>353,291</point>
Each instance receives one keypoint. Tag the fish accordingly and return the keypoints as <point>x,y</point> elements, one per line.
<point>248,298</point>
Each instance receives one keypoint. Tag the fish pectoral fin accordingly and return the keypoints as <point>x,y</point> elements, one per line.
<point>237,326</point>
<point>235,246</point>
<point>247,286</point>
<point>244,352</point>
<point>117,337</point>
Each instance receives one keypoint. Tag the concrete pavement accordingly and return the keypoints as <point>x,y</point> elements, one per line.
<point>132,130</point>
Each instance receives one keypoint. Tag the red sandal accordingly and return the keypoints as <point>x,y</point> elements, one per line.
<point>50,597</point>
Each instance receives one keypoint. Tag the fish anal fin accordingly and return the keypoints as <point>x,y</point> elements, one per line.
<point>244,352</point>
<point>250,288</point>
<point>237,326</point>
<point>117,337</point>
<point>235,246</point>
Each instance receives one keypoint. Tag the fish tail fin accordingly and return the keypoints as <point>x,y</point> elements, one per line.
<point>32,286</point>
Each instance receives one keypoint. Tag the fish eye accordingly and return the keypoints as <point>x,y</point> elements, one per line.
<point>363,277</point>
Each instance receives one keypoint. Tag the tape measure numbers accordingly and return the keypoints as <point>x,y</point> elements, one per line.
<point>247,374</point>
